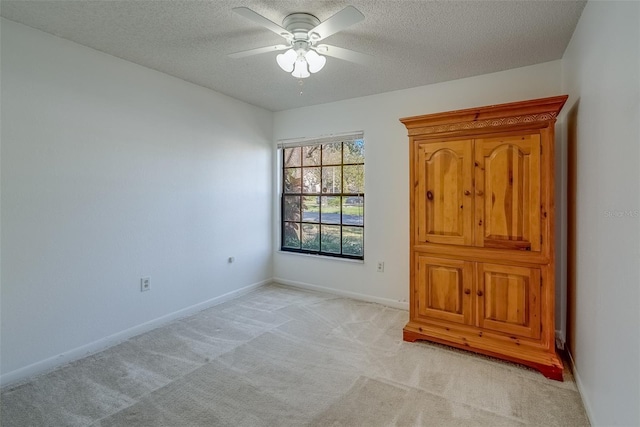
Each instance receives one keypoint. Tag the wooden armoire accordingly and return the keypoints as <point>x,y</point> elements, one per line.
<point>482,231</point>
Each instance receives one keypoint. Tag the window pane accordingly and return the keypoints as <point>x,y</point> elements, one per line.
<point>330,238</point>
<point>323,198</point>
<point>353,179</point>
<point>332,179</point>
<point>292,180</point>
<point>311,237</point>
<point>291,208</point>
<point>310,209</point>
<point>311,180</point>
<point>353,210</point>
<point>354,151</point>
<point>311,155</point>
<point>292,156</point>
<point>291,235</point>
<point>352,241</point>
<point>330,209</point>
<point>332,154</point>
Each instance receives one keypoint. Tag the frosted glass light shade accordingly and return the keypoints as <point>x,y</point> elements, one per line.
<point>300,69</point>
<point>286,60</point>
<point>315,61</point>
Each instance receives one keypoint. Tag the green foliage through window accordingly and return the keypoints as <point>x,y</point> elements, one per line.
<point>323,198</point>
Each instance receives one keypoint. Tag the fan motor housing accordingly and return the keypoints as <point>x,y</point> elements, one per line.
<point>299,24</point>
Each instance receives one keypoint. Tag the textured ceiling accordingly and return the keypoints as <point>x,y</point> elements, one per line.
<point>415,42</point>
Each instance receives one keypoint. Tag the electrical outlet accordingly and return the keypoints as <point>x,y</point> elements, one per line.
<point>145,284</point>
<point>380,266</point>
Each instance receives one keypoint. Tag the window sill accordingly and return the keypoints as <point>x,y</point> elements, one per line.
<point>324,257</point>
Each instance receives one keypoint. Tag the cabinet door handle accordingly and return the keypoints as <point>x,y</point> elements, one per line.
<point>480,293</point>
<point>429,195</point>
<point>467,291</point>
<point>467,192</point>
<point>479,193</point>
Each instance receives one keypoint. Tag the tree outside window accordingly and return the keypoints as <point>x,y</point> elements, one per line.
<point>323,198</point>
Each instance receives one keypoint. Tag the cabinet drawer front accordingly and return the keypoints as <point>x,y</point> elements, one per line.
<point>443,192</point>
<point>509,299</point>
<point>443,289</point>
<point>508,185</point>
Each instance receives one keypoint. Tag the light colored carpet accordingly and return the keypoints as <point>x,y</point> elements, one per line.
<point>285,357</point>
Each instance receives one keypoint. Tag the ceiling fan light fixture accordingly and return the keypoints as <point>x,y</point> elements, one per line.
<point>303,31</point>
<point>287,60</point>
<point>300,69</point>
<point>316,62</point>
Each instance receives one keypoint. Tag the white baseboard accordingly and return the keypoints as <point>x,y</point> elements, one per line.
<point>585,401</point>
<point>403,305</point>
<point>51,363</point>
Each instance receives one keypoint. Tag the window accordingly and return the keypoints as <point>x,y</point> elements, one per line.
<point>322,200</point>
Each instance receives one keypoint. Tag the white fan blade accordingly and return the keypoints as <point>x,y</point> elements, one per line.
<point>345,54</point>
<point>261,20</point>
<point>338,22</point>
<point>258,50</point>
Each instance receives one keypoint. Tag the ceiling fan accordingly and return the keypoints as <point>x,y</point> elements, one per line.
<point>302,32</point>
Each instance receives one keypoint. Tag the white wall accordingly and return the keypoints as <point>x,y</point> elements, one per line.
<point>111,172</point>
<point>387,172</point>
<point>601,71</point>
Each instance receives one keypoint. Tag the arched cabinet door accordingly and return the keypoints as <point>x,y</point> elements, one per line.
<point>507,193</point>
<point>443,192</point>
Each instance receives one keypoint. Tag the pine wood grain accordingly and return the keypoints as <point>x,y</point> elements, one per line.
<point>482,231</point>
